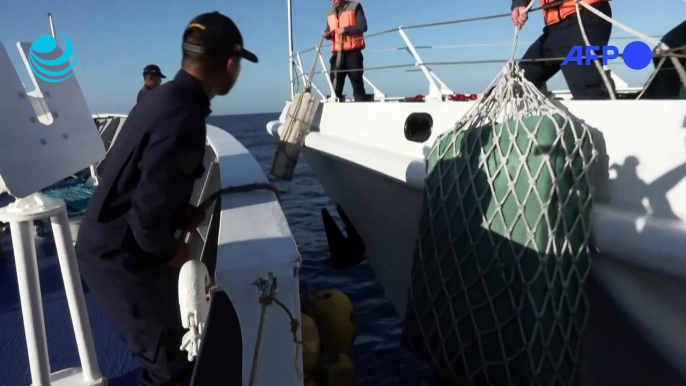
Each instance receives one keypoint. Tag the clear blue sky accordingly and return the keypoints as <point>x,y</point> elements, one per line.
<point>116,39</point>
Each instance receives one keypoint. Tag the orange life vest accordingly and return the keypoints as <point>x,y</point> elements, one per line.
<point>559,12</point>
<point>346,18</point>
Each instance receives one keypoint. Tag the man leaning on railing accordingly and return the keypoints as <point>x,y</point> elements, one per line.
<point>560,34</point>
<point>345,27</point>
<point>131,243</point>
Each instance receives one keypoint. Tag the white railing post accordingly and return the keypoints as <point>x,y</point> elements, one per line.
<point>75,298</point>
<point>445,90</point>
<point>52,26</point>
<point>305,77</point>
<point>290,48</point>
<point>434,91</point>
<point>31,302</point>
<point>94,178</point>
<point>377,92</point>
<point>20,215</point>
<point>326,75</point>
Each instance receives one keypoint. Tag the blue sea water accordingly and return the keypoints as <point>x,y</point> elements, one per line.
<point>377,354</point>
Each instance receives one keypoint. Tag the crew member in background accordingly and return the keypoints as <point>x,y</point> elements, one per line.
<point>667,84</point>
<point>560,34</point>
<point>152,76</point>
<point>129,247</point>
<point>345,27</point>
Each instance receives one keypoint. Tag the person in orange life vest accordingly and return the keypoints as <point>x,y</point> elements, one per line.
<point>346,25</point>
<point>560,34</point>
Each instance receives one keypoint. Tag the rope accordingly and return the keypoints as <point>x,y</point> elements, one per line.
<point>492,61</point>
<point>296,80</point>
<point>265,301</point>
<point>339,57</point>
<point>652,76</point>
<point>258,345</point>
<point>449,22</point>
<point>680,69</point>
<point>497,289</point>
<point>308,87</point>
<point>658,68</point>
<point>669,54</point>
<point>294,323</point>
<point>474,45</point>
<point>663,48</point>
<point>516,37</point>
<point>239,189</point>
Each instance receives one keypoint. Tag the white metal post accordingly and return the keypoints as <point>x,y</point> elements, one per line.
<point>21,214</point>
<point>31,302</point>
<point>434,90</point>
<point>326,75</point>
<point>305,77</point>
<point>94,178</point>
<point>52,27</point>
<point>290,48</point>
<point>445,90</point>
<point>377,92</point>
<point>75,299</point>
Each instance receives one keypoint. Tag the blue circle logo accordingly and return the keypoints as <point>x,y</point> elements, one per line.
<point>637,55</point>
<point>45,69</point>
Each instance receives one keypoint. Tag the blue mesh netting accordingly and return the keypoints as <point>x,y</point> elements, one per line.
<point>75,192</point>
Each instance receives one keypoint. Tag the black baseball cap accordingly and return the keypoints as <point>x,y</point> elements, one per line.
<point>153,69</point>
<point>220,37</point>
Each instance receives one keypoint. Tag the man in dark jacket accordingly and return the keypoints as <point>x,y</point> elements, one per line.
<point>560,34</point>
<point>129,250</point>
<point>152,77</point>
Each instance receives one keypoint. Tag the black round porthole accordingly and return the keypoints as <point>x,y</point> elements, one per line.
<point>418,127</point>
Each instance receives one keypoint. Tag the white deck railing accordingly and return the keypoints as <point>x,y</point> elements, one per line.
<point>437,87</point>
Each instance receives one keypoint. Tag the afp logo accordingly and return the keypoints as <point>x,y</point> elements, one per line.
<point>637,55</point>
<point>51,70</point>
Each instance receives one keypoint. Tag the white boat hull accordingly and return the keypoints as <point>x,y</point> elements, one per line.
<point>360,155</point>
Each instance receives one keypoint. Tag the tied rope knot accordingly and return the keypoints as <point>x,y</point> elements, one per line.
<point>267,300</point>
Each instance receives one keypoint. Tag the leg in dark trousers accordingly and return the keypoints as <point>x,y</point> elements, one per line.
<point>585,82</point>
<point>352,61</point>
<point>146,314</point>
<point>337,78</point>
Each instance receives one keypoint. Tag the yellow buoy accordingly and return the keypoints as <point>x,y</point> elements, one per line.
<point>333,312</point>
<point>310,339</point>
<point>342,372</point>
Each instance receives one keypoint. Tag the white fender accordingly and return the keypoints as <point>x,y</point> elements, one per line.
<point>194,301</point>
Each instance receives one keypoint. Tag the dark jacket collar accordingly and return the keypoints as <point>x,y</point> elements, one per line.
<point>186,80</point>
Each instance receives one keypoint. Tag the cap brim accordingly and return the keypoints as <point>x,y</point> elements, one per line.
<point>249,56</point>
<point>155,73</point>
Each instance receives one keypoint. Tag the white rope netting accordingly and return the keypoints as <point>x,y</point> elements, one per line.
<point>497,296</point>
